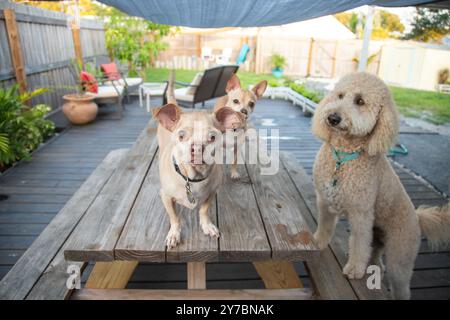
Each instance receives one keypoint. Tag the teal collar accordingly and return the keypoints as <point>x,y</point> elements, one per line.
<point>341,157</point>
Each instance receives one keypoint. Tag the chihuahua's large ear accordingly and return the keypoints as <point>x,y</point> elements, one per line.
<point>233,83</point>
<point>386,129</point>
<point>227,118</point>
<point>168,115</point>
<point>259,89</point>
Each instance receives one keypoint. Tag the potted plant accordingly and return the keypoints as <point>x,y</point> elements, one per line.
<point>80,107</point>
<point>278,63</point>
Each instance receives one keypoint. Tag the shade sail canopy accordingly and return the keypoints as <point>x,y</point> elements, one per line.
<point>245,13</point>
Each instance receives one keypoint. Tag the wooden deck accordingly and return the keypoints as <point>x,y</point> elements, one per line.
<point>37,190</point>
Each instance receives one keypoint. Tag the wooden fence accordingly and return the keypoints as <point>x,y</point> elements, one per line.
<point>305,57</point>
<point>38,46</point>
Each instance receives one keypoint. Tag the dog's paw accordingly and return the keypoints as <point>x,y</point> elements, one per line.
<point>354,270</point>
<point>173,237</point>
<point>210,229</point>
<point>235,174</point>
<point>321,243</point>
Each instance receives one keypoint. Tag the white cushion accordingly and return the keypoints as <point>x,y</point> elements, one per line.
<point>181,94</point>
<point>130,81</point>
<point>195,82</point>
<point>107,92</point>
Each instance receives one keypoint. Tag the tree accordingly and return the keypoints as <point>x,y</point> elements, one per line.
<point>429,25</point>
<point>385,24</point>
<point>134,40</point>
<point>350,20</point>
<point>87,7</point>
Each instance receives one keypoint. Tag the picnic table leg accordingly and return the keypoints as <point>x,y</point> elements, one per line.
<point>278,274</point>
<point>111,275</point>
<point>196,275</point>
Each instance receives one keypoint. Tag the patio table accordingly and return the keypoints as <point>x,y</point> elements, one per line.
<point>149,89</point>
<point>259,218</point>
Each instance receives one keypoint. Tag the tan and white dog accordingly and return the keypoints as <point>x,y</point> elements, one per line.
<point>244,102</point>
<point>186,177</point>
<point>358,122</point>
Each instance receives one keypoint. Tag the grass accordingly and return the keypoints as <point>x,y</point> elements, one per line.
<point>161,74</point>
<point>431,106</point>
<point>427,105</point>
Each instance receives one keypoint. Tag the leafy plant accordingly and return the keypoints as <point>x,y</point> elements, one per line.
<point>22,128</point>
<point>278,61</point>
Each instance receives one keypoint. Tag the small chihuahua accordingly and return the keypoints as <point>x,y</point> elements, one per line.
<point>242,101</point>
<point>186,176</point>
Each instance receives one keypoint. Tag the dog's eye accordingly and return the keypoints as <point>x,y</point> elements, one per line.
<point>236,101</point>
<point>359,101</point>
<point>181,135</point>
<point>251,104</point>
<point>341,96</point>
<point>212,136</point>
<point>244,111</point>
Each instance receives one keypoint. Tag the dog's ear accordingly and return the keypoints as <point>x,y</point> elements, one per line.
<point>168,115</point>
<point>259,89</point>
<point>233,83</point>
<point>319,128</point>
<point>386,129</point>
<point>226,118</point>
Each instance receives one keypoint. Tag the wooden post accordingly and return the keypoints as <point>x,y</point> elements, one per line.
<point>333,67</point>
<point>15,49</point>
<point>77,43</point>
<point>199,45</point>
<point>257,52</point>
<point>311,46</point>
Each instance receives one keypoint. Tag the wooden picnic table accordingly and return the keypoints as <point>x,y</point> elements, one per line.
<point>259,219</point>
<point>116,219</point>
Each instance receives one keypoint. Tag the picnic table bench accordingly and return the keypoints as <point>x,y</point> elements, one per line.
<point>116,219</point>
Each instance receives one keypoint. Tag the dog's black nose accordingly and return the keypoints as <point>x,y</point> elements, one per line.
<point>334,119</point>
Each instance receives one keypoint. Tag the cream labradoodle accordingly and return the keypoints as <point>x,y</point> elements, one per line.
<point>358,122</point>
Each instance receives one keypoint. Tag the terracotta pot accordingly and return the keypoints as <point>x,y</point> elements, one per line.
<point>79,108</point>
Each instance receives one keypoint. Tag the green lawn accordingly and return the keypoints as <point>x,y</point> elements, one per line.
<point>247,78</point>
<point>431,106</point>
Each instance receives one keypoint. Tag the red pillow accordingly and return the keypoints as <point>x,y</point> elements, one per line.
<point>111,71</point>
<point>88,82</point>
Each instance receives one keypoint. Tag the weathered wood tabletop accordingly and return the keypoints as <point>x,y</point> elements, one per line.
<point>258,217</point>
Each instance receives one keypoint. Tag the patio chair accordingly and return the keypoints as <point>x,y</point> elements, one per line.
<point>209,85</point>
<point>117,76</point>
<point>106,93</point>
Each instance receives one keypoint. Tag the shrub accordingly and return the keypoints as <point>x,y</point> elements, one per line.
<point>22,128</point>
<point>311,95</point>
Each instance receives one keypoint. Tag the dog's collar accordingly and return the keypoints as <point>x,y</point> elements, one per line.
<point>187,179</point>
<point>341,157</point>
